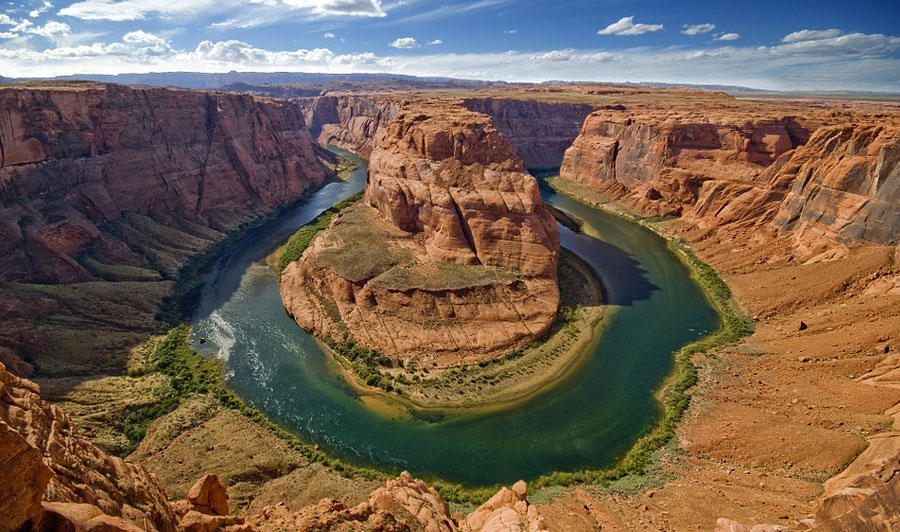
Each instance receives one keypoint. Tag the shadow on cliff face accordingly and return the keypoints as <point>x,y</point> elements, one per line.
<point>624,279</point>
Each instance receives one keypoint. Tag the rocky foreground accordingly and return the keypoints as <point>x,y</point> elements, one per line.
<point>452,257</point>
<point>54,479</point>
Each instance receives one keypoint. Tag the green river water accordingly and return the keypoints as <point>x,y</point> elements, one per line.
<point>587,421</point>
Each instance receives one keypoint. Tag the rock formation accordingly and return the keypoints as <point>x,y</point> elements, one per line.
<point>408,504</point>
<point>453,254</point>
<point>656,162</point>
<point>76,157</point>
<point>507,510</point>
<point>845,186</point>
<point>42,455</point>
<point>349,121</point>
<point>539,131</point>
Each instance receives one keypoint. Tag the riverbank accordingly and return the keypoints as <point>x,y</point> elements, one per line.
<point>673,395</point>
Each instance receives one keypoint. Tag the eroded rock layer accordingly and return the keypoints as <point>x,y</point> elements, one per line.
<point>349,121</point>
<point>453,255</point>
<point>541,132</point>
<point>845,186</point>
<point>74,158</point>
<point>657,162</point>
<point>42,456</point>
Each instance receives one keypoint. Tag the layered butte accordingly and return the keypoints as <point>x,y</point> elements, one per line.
<point>451,257</point>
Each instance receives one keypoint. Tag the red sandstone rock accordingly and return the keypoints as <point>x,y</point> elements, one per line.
<point>208,496</point>
<point>76,157</point>
<point>657,163</point>
<point>349,121</point>
<point>449,174</point>
<point>403,504</point>
<point>507,510</point>
<point>24,477</point>
<point>82,473</point>
<point>456,262</point>
<point>845,187</point>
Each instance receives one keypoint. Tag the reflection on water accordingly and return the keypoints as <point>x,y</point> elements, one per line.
<point>588,420</point>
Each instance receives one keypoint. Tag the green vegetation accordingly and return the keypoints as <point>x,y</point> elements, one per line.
<point>301,240</point>
<point>345,168</point>
<point>364,362</point>
<point>190,373</point>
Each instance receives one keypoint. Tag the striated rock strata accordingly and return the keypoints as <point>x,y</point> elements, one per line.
<point>657,162</point>
<point>541,132</point>
<point>349,121</point>
<point>452,257</point>
<point>845,186</point>
<point>74,158</point>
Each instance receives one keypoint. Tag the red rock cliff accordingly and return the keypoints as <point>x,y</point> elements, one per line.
<point>349,121</point>
<point>539,131</point>
<point>75,157</point>
<point>657,162</point>
<point>42,456</point>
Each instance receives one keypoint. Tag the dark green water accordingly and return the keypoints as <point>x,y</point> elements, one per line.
<point>587,421</point>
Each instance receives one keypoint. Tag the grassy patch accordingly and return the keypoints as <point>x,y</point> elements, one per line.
<point>299,241</point>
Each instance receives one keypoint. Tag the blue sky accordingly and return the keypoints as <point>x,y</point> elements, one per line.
<point>765,44</point>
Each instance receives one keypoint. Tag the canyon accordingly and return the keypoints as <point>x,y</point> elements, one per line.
<point>794,203</point>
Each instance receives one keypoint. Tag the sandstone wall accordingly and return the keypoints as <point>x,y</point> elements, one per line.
<point>541,132</point>
<point>76,157</point>
<point>452,176</point>
<point>845,186</point>
<point>349,121</point>
<point>657,163</point>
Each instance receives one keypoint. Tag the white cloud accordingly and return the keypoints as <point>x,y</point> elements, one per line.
<point>7,35</point>
<point>235,52</point>
<point>510,32</point>
<point>51,30</point>
<point>139,36</point>
<point>697,29</point>
<point>34,13</point>
<point>404,43</point>
<point>728,37</point>
<point>120,10</point>
<point>626,26</point>
<point>355,8</point>
<point>570,54</point>
<point>705,54</point>
<point>806,42</point>
<point>134,9</point>
<point>435,42</point>
<point>5,20</point>
<point>328,35</point>
<point>810,35</point>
